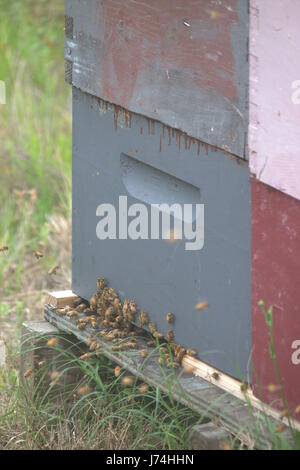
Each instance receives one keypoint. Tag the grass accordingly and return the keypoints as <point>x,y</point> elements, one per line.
<point>35,207</point>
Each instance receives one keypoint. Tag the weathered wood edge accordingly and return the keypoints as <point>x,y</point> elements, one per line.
<point>223,408</point>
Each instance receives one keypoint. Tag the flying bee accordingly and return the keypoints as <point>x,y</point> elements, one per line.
<point>3,248</point>
<point>191,352</point>
<point>54,375</point>
<point>144,388</point>
<point>53,270</point>
<point>201,305</point>
<point>188,369</point>
<point>127,381</point>
<point>170,317</point>
<point>170,336</point>
<point>215,376</point>
<point>52,342</point>
<point>284,413</point>
<point>297,409</point>
<point>41,363</point>
<point>83,357</point>
<point>38,254</point>
<point>143,317</point>
<point>28,373</point>
<point>117,371</point>
<point>143,352</point>
<point>280,428</point>
<point>84,390</point>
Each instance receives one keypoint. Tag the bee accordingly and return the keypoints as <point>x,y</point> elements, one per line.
<point>188,369</point>
<point>224,446</point>
<point>109,313</point>
<point>161,361</point>
<point>244,387</point>
<point>158,335</point>
<point>93,303</point>
<point>60,311</point>
<point>164,349</point>
<point>81,306</point>
<point>215,376</point>
<point>77,302</point>
<point>88,311</point>
<point>28,373</point>
<point>144,388</point>
<point>151,342</point>
<point>3,248</point>
<point>117,371</point>
<point>127,381</point>
<point>94,324</point>
<point>273,388</point>
<point>54,375</point>
<point>132,307</point>
<point>52,342</point>
<point>170,336</point>
<point>101,283</point>
<point>109,336</point>
<point>152,327</point>
<point>83,357</point>
<point>297,409</point>
<point>53,270</point>
<point>143,317</point>
<point>125,306</point>
<point>38,254</point>
<point>170,317</point>
<point>41,363</point>
<point>280,428</point>
<point>132,345</point>
<point>175,364</point>
<point>180,353</point>
<point>191,352</point>
<point>284,413</point>
<point>201,305</point>
<point>81,325</point>
<point>105,323</point>
<point>84,390</point>
<point>72,313</point>
<point>143,352</point>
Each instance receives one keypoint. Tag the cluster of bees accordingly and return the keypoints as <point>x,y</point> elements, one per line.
<point>120,320</point>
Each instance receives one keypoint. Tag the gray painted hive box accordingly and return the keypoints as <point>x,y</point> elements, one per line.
<point>129,168</point>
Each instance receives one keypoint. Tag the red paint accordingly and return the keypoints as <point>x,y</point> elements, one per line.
<point>140,33</point>
<point>276,280</point>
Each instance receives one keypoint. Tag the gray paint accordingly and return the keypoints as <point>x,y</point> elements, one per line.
<point>163,277</point>
<point>172,96</point>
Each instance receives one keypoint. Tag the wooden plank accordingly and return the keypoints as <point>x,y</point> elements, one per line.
<point>61,298</point>
<point>274,102</point>
<point>182,63</point>
<point>206,398</point>
<point>275,257</point>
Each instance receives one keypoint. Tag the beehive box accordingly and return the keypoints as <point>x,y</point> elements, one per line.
<point>161,119</point>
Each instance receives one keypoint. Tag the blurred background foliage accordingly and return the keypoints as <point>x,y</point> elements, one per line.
<point>35,157</point>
